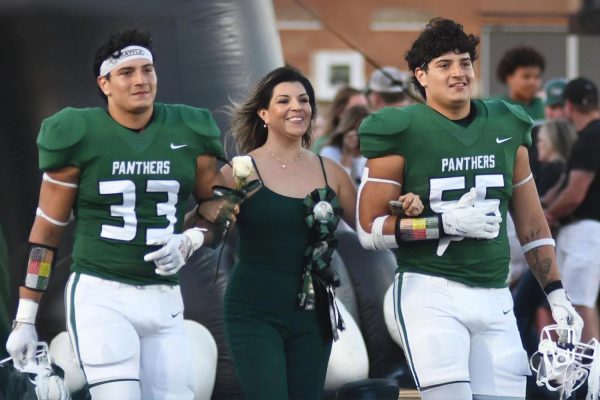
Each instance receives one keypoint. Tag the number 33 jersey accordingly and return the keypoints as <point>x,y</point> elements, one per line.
<point>443,161</point>
<point>133,187</point>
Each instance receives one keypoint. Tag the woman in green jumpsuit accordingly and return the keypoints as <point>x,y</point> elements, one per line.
<point>279,330</point>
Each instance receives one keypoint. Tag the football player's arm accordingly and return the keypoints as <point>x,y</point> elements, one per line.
<point>210,211</point>
<point>382,182</point>
<point>57,195</point>
<point>537,243</point>
<point>377,229</point>
<point>572,196</point>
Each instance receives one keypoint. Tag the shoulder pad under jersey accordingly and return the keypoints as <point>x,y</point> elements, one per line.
<point>518,112</point>
<point>199,121</point>
<point>379,132</point>
<point>62,130</point>
<point>199,124</point>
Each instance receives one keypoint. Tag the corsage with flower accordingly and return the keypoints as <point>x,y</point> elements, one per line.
<point>322,215</point>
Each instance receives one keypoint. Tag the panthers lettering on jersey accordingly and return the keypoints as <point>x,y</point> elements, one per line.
<point>133,187</point>
<point>443,161</point>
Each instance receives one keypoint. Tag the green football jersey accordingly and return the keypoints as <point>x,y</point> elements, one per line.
<point>443,161</point>
<point>133,187</point>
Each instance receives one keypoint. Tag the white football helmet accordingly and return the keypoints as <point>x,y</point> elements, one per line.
<point>563,365</point>
<point>49,385</point>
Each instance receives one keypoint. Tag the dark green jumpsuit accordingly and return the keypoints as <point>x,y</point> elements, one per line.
<point>279,350</point>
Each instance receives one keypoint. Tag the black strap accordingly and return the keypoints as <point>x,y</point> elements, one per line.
<point>256,169</point>
<point>322,168</point>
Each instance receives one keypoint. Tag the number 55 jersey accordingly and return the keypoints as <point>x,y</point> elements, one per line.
<point>133,186</point>
<point>443,161</point>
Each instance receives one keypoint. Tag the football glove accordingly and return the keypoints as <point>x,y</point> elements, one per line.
<point>22,344</point>
<point>564,314</point>
<point>469,221</point>
<point>175,250</point>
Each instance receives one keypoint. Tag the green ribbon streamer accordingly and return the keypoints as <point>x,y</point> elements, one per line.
<point>318,255</point>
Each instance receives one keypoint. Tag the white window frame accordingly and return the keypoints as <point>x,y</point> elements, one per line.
<point>324,60</point>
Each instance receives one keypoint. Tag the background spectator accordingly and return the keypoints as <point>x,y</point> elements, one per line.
<point>344,145</point>
<point>345,98</point>
<point>521,70</point>
<point>388,88</point>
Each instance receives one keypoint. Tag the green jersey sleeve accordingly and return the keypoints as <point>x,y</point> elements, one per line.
<point>521,121</point>
<point>379,133</point>
<point>58,139</point>
<point>206,136</point>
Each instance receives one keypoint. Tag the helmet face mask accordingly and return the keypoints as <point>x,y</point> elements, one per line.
<point>563,365</point>
<point>44,375</point>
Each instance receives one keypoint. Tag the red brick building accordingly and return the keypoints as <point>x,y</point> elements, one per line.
<point>384,29</point>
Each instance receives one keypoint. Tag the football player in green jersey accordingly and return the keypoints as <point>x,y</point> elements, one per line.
<point>467,160</point>
<point>125,173</point>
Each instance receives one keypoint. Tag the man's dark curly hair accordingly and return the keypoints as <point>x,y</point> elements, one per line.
<point>115,43</point>
<point>439,37</point>
<point>521,56</point>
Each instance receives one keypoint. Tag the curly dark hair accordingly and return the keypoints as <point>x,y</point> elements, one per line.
<point>522,56</point>
<point>247,127</point>
<point>115,43</point>
<point>439,37</point>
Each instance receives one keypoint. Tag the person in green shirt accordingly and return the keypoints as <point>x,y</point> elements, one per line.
<point>521,69</point>
<point>467,160</point>
<point>124,174</point>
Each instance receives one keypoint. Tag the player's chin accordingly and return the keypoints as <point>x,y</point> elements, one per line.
<point>141,107</point>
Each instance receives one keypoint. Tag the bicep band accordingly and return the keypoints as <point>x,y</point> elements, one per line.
<point>47,178</point>
<point>39,266</point>
<point>537,243</point>
<point>524,181</point>
<point>42,214</point>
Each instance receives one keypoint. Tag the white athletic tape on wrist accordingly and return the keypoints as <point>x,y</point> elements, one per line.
<point>537,243</point>
<point>40,213</point>
<point>524,181</point>
<point>196,236</point>
<point>27,311</point>
<point>47,178</point>
<point>126,54</point>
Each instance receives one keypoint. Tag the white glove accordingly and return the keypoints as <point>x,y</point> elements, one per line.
<point>564,314</point>
<point>469,221</point>
<point>22,344</point>
<point>176,250</point>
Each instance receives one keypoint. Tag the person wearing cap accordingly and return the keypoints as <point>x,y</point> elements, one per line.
<point>125,173</point>
<point>553,105</point>
<point>521,70</point>
<point>577,206</point>
<point>387,88</point>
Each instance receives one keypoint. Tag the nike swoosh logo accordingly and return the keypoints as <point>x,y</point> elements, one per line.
<point>176,314</point>
<point>505,312</point>
<point>177,146</point>
<point>498,140</point>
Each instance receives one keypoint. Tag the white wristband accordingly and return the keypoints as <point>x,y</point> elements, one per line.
<point>196,237</point>
<point>26,311</point>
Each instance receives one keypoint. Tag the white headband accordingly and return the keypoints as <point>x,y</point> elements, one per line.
<point>127,54</point>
